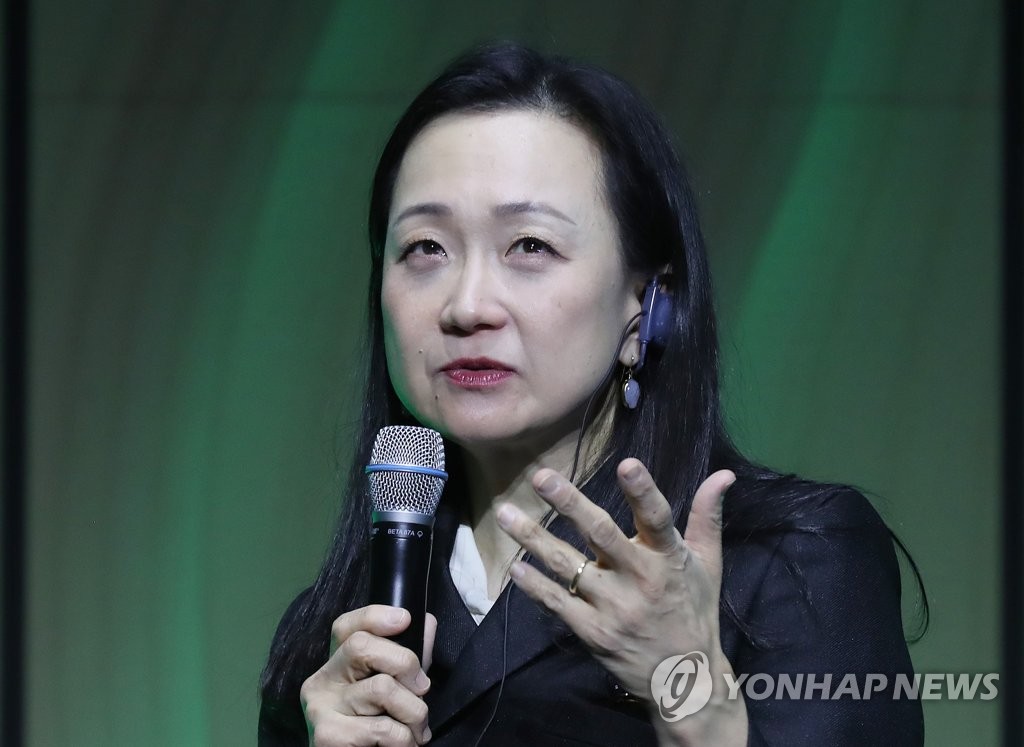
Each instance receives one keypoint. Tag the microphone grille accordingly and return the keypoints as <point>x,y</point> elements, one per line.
<point>406,470</point>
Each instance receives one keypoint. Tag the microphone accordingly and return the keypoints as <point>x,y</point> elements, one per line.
<point>406,474</point>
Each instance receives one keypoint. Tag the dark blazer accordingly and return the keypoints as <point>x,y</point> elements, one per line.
<point>841,617</point>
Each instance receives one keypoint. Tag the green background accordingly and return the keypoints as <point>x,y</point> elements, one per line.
<point>200,173</point>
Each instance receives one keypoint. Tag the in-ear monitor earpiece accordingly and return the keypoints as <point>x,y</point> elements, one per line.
<point>656,314</point>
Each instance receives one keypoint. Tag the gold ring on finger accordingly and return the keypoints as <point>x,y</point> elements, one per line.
<point>574,585</point>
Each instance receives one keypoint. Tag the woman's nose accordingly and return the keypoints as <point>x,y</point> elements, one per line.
<point>474,301</point>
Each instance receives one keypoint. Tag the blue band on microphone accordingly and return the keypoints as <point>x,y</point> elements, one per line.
<point>414,468</point>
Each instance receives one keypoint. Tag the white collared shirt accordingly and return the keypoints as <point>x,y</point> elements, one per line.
<point>467,569</point>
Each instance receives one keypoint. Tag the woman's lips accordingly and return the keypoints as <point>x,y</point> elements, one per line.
<point>477,373</point>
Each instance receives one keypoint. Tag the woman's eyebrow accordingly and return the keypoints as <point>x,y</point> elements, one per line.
<point>504,210</point>
<point>517,208</point>
<point>423,208</point>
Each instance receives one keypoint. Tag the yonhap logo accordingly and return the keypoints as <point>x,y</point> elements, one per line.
<point>681,685</point>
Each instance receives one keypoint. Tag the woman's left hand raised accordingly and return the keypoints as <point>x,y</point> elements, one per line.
<point>641,599</point>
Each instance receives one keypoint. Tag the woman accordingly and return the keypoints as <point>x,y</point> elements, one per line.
<point>523,212</point>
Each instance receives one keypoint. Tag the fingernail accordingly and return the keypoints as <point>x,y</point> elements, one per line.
<point>422,681</point>
<point>548,486</point>
<point>633,474</point>
<point>505,515</point>
<point>427,735</point>
<point>396,616</point>
<point>516,570</point>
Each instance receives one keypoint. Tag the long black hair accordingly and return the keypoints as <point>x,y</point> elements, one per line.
<point>677,431</point>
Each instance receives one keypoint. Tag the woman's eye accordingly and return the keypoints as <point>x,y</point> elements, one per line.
<point>530,245</point>
<point>424,248</point>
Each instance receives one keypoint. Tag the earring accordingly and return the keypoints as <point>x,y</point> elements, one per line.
<point>630,388</point>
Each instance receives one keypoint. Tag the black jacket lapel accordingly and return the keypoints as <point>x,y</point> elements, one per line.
<point>455,624</point>
<point>469,665</point>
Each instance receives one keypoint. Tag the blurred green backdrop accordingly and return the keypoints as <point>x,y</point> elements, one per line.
<point>200,174</point>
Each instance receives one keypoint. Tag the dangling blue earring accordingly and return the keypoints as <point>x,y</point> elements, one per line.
<point>630,388</point>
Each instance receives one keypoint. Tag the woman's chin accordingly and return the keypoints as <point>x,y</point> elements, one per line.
<point>489,436</point>
<point>503,433</point>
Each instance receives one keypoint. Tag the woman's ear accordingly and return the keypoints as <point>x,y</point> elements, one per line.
<point>630,350</point>
<point>652,301</point>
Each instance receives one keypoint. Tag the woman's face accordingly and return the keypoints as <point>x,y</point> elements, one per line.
<point>504,288</point>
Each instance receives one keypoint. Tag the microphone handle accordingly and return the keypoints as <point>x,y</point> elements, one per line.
<point>399,568</point>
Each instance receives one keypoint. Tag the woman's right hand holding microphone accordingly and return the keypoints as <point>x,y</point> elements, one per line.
<point>370,691</point>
